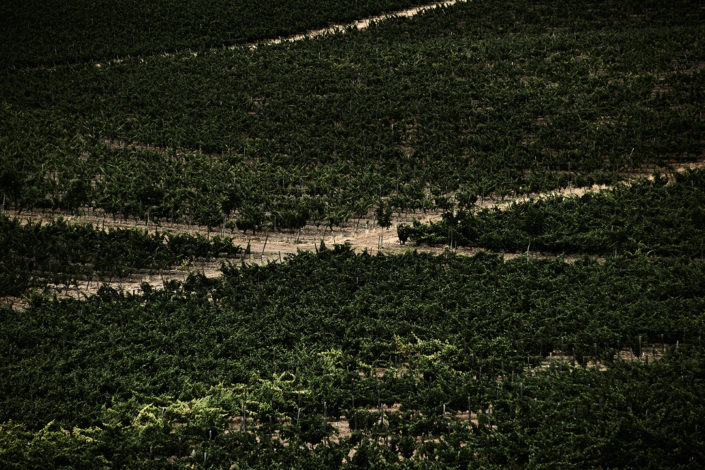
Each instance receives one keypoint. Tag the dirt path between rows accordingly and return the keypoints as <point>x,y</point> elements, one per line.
<point>361,234</point>
<point>360,24</point>
<point>630,178</point>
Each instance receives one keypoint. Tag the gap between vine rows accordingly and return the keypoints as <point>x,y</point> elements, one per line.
<point>360,24</point>
<point>361,234</point>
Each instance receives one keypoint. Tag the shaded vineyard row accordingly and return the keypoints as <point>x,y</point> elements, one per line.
<point>35,254</point>
<point>65,359</point>
<point>34,32</point>
<point>389,118</point>
<point>631,415</point>
<point>648,216</point>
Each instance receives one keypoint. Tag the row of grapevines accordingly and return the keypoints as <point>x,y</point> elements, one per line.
<point>649,216</point>
<point>61,253</point>
<point>38,32</point>
<point>327,129</point>
<point>629,415</point>
<point>395,346</point>
<point>355,312</point>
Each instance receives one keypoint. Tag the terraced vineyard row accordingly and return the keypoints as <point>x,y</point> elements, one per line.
<point>322,131</point>
<point>33,32</point>
<point>338,334</point>
<point>34,255</point>
<point>649,216</point>
<point>602,412</point>
<point>657,216</point>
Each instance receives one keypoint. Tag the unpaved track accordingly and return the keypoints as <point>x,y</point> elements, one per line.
<point>360,24</point>
<point>361,234</point>
<point>580,191</point>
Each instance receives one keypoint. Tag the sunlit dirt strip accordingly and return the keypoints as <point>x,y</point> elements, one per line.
<point>359,24</point>
<point>336,28</point>
<point>132,284</point>
<point>631,177</point>
<point>361,234</point>
<point>386,240</point>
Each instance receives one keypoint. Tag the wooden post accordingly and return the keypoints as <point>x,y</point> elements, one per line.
<point>266,238</point>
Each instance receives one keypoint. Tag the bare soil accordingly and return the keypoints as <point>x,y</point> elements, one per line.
<point>362,234</point>
<point>649,353</point>
<point>359,24</point>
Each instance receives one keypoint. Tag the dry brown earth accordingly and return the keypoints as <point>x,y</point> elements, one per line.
<point>361,234</point>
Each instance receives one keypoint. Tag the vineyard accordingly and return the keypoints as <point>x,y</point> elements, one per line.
<point>397,347</point>
<point>648,216</point>
<point>58,253</point>
<point>352,234</point>
<point>392,118</point>
<point>39,33</point>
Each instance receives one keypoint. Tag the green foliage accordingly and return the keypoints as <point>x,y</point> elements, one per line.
<point>33,32</point>
<point>51,447</point>
<point>408,112</point>
<point>629,415</point>
<point>297,325</point>
<point>383,213</point>
<point>259,368</point>
<point>648,217</point>
<point>58,252</point>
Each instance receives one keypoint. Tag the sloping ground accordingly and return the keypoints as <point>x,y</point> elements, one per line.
<point>329,350</point>
<point>359,24</point>
<point>504,115</point>
<point>363,23</point>
<point>361,234</point>
<point>36,33</point>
